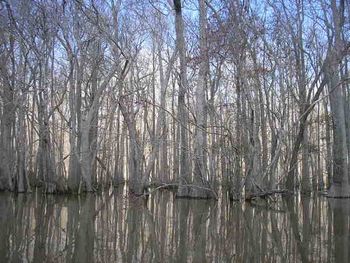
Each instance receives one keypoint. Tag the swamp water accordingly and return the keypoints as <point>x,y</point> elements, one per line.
<point>113,227</point>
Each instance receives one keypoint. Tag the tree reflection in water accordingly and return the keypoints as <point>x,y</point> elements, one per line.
<point>113,227</point>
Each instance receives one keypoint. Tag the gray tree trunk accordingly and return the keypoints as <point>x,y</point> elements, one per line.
<point>340,185</point>
<point>7,124</point>
<point>184,172</point>
<point>200,158</point>
<point>74,107</point>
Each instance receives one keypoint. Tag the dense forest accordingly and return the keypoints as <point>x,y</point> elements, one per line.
<point>246,97</point>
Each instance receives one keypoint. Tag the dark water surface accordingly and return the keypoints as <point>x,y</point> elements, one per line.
<point>113,227</point>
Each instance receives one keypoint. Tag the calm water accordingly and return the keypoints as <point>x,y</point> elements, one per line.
<point>113,227</point>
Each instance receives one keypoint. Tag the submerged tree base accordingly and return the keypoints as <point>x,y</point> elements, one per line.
<point>339,191</point>
<point>266,194</point>
<point>195,192</point>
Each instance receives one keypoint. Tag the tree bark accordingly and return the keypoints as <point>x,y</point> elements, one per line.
<point>340,186</point>
<point>184,172</point>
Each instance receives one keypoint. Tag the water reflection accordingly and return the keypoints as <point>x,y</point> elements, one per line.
<point>113,227</point>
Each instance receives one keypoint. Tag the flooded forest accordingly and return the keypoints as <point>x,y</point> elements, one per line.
<point>174,131</point>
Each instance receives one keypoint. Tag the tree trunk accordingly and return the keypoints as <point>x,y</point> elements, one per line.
<point>184,172</point>
<point>7,121</point>
<point>200,166</point>
<point>340,186</point>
